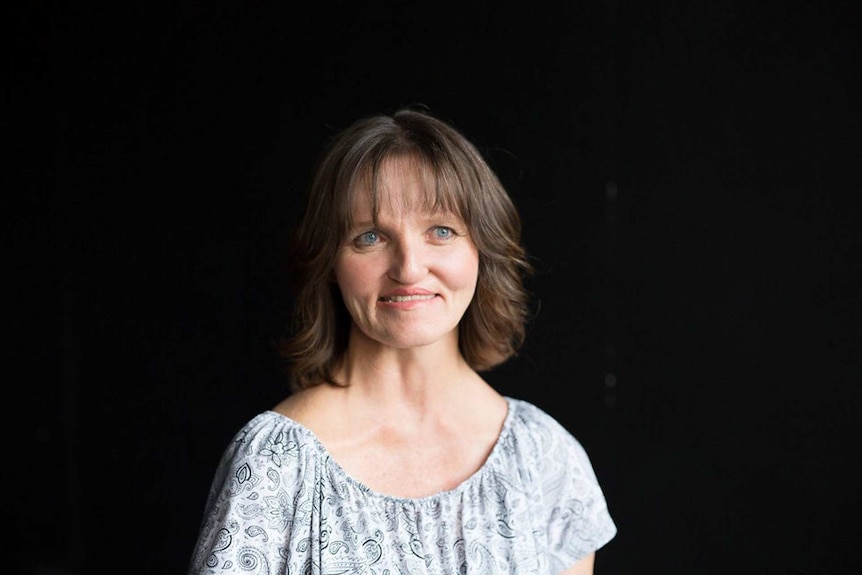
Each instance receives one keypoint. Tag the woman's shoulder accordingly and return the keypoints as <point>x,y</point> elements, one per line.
<point>527,415</point>
<point>269,438</point>
<point>266,423</point>
<point>539,435</point>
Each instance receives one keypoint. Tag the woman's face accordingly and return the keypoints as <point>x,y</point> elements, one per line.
<point>408,278</point>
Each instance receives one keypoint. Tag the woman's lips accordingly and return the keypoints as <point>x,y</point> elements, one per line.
<point>403,298</point>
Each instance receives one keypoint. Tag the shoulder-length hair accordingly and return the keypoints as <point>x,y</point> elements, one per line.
<point>458,179</point>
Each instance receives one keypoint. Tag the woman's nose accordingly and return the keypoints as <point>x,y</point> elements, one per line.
<point>409,262</point>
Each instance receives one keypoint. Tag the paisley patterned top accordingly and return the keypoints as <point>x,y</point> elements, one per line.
<point>280,504</point>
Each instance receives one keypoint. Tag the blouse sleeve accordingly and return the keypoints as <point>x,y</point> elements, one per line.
<point>251,505</point>
<point>577,517</point>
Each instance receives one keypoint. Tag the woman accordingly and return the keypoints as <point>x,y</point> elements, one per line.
<point>392,454</point>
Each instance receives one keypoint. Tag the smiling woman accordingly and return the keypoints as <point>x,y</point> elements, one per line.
<point>449,178</point>
<point>392,453</point>
<point>407,256</point>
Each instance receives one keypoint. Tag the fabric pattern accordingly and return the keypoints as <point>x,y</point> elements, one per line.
<point>280,504</point>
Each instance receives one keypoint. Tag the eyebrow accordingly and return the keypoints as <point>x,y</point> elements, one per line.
<point>362,224</point>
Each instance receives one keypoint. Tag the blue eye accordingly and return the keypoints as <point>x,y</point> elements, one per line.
<point>367,239</point>
<point>443,233</point>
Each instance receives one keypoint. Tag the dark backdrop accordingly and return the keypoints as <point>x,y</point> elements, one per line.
<point>686,175</point>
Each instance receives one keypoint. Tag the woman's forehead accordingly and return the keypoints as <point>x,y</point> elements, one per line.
<point>403,185</point>
<point>397,201</point>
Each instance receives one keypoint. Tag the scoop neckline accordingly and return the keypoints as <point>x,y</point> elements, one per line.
<point>332,464</point>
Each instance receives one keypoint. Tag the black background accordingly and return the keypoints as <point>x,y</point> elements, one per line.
<point>686,174</point>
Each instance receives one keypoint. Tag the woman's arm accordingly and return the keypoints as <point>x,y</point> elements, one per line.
<point>582,567</point>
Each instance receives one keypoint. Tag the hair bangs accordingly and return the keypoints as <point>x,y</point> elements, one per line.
<point>439,189</point>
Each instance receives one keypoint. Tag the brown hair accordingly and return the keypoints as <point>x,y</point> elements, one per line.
<point>458,179</point>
